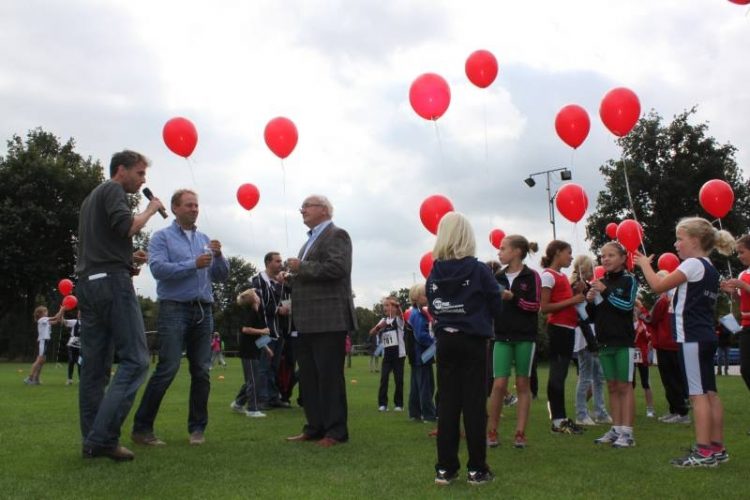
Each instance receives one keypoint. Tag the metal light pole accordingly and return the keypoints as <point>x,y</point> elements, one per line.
<point>564,175</point>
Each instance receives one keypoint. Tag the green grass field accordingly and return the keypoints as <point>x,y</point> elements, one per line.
<point>387,456</point>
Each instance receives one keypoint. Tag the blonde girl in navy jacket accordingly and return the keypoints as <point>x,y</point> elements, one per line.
<point>463,297</point>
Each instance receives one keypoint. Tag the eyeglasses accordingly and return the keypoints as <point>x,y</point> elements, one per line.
<point>308,205</point>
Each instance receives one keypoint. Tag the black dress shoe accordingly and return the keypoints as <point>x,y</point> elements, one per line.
<point>118,453</point>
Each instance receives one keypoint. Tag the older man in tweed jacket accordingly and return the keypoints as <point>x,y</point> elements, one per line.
<point>323,313</point>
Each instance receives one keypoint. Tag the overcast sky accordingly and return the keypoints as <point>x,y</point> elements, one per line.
<point>111,73</point>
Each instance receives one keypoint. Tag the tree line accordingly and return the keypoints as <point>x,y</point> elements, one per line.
<point>45,180</point>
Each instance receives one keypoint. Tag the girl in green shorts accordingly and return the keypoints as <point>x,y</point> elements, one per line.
<point>515,334</point>
<point>611,301</point>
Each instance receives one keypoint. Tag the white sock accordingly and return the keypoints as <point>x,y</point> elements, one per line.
<point>556,422</point>
<point>628,431</point>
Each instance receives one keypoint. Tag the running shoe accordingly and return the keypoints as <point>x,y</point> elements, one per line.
<point>519,441</point>
<point>609,437</point>
<point>492,440</point>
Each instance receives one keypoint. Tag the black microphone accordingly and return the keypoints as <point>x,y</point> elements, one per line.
<point>150,196</point>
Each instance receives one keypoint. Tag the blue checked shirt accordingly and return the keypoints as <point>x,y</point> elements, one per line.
<point>172,255</point>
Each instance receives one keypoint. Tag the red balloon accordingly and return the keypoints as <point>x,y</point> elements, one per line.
<point>430,96</point>
<point>668,262</point>
<point>248,196</point>
<point>69,302</point>
<point>620,110</point>
<point>716,198</point>
<point>180,136</point>
<point>281,136</point>
<point>611,230</point>
<point>599,272</point>
<point>740,2</point>
<point>496,237</point>
<point>630,234</point>
<point>572,202</point>
<point>481,68</point>
<point>406,315</point>
<point>65,287</point>
<point>425,264</point>
<point>433,209</point>
<point>572,125</point>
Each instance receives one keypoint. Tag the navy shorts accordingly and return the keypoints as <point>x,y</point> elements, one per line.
<point>697,365</point>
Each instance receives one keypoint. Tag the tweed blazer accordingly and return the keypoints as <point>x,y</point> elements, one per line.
<point>322,287</point>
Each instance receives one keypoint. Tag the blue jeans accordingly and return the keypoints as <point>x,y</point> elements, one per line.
<point>269,367</point>
<point>590,375</point>
<point>421,392</point>
<point>248,394</point>
<point>180,324</point>
<point>114,324</point>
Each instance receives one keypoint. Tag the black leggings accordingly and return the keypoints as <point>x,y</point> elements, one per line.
<point>73,354</point>
<point>643,370</point>
<point>745,355</point>
<point>561,342</point>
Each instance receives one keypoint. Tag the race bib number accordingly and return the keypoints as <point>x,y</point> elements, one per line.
<point>637,356</point>
<point>389,338</point>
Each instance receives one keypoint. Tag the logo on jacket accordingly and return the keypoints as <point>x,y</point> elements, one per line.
<point>466,283</point>
<point>447,308</point>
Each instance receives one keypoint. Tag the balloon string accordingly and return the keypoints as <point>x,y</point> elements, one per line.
<point>729,263</point>
<point>440,144</point>
<point>487,163</point>
<point>286,207</point>
<point>630,200</point>
<point>204,215</point>
<point>729,267</point>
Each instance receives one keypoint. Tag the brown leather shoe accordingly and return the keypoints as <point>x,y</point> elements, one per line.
<point>300,437</point>
<point>146,439</point>
<point>328,442</point>
<point>118,453</point>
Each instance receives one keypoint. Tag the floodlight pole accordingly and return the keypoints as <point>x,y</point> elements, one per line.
<point>550,196</point>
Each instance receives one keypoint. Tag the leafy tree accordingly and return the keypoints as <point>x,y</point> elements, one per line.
<point>666,165</point>
<point>44,183</point>
<point>366,319</point>
<point>225,294</point>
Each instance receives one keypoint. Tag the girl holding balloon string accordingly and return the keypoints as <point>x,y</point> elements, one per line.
<point>44,334</point>
<point>740,289</point>
<point>611,302</point>
<point>558,302</point>
<point>697,285</point>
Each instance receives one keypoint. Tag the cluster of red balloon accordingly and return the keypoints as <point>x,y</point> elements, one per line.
<point>619,111</point>
<point>65,287</point>
<point>181,137</point>
<point>430,94</point>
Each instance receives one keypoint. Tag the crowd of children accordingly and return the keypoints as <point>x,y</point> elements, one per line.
<point>467,319</point>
